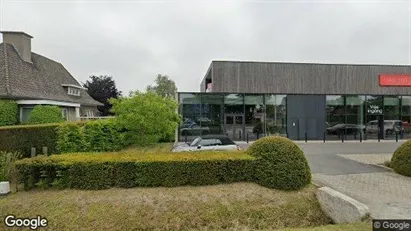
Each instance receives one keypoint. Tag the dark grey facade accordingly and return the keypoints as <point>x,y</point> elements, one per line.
<point>305,114</point>
<point>246,100</point>
<point>302,78</point>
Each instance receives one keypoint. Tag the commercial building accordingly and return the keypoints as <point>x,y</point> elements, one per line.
<point>246,100</point>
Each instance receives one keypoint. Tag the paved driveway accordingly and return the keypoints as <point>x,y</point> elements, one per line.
<point>324,157</point>
<point>348,168</point>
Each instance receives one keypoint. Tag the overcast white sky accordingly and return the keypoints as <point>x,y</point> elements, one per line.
<point>135,40</point>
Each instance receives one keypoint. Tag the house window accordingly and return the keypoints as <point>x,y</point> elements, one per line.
<point>89,113</point>
<point>73,91</point>
<point>64,113</point>
<point>25,114</point>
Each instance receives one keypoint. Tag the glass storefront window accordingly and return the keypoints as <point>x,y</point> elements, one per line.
<point>406,116</point>
<point>392,123</point>
<point>234,111</point>
<point>335,116</point>
<point>276,118</point>
<point>391,107</point>
<point>254,116</point>
<point>190,111</point>
<point>374,118</point>
<point>355,126</point>
<point>211,119</point>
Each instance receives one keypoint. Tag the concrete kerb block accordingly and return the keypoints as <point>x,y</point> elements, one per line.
<point>341,208</point>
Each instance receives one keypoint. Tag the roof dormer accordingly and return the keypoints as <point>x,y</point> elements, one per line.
<point>72,89</point>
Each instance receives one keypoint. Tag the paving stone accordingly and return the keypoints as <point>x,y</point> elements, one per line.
<point>387,194</point>
<point>368,158</point>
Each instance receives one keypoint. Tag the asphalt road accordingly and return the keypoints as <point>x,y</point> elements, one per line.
<point>323,157</point>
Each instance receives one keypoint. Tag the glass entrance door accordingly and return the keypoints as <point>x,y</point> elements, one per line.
<point>234,126</point>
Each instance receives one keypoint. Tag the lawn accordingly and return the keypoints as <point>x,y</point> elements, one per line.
<point>362,226</point>
<point>244,206</point>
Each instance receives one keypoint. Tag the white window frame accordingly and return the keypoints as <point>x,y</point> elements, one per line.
<point>90,113</point>
<point>65,113</point>
<point>21,112</point>
<point>73,91</point>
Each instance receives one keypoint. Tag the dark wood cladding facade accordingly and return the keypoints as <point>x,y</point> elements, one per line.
<point>303,78</point>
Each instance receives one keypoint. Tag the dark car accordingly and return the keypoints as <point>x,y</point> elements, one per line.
<point>347,129</point>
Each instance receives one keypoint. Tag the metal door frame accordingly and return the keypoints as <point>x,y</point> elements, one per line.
<point>234,124</point>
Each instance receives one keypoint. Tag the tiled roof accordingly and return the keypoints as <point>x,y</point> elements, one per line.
<point>41,79</point>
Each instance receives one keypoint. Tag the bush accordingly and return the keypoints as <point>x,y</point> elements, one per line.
<point>45,114</point>
<point>279,163</point>
<point>147,117</point>
<point>401,159</point>
<point>70,138</point>
<point>93,136</point>
<point>7,170</point>
<point>103,135</point>
<point>100,171</point>
<point>22,138</point>
<point>8,112</point>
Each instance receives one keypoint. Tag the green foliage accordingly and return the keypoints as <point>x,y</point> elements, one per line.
<point>401,159</point>
<point>22,138</point>
<point>146,117</point>
<point>7,170</point>
<point>45,114</point>
<point>279,163</point>
<point>100,171</point>
<point>103,135</point>
<point>102,88</point>
<point>165,87</point>
<point>70,138</point>
<point>93,136</point>
<point>8,112</point>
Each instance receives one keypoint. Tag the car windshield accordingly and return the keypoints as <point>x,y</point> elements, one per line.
<point>196,141</point>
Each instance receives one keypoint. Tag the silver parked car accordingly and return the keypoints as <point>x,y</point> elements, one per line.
<point>208,143</point>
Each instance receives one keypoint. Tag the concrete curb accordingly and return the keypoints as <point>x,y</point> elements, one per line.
<point>340,207</point>
<point>383,166</point>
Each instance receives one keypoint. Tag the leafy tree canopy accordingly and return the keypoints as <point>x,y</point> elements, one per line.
<point>164,86</point>
<point>102,88</point>
<point>147,117</point>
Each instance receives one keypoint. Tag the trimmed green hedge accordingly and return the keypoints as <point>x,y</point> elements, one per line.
<point>8,112</point>
<point>22,138</point>
<point>101,171</point>
<point>93,136</point>
<point>70,138</point>
<point>401,159</point>
<point>279,163</point>
<point>45,114</point>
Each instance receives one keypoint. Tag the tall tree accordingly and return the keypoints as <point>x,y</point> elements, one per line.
<point>164,86</point>
<point>147,117</point>
<point>102,88</point>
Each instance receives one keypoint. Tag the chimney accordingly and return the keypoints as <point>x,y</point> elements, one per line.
<point>21,41</point>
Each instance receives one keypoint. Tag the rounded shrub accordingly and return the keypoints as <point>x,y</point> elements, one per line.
<point>401,159</point>
<point>45,114</point>
<point>8,112</point>
<point>279,163</point>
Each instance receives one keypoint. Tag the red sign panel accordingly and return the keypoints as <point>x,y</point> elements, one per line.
<point>395,80</point>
